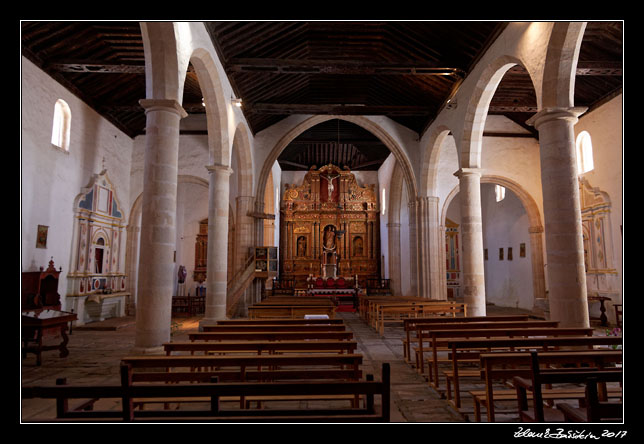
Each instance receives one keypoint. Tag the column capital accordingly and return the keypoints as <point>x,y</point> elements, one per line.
<point>163,105</point>
<point>469,172</point>
<point>535,229</point>
<point>216,167</point>
<point>556,113</point>
<point>393,225</point>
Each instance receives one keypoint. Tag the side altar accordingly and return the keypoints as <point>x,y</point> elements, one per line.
<point>329,228</point>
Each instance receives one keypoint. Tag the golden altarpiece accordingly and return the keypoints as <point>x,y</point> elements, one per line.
<point>329,228</point>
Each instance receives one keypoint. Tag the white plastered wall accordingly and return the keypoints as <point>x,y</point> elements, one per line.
<point>51,179</point>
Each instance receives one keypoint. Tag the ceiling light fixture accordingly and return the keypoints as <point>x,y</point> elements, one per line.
<point>236,102</point>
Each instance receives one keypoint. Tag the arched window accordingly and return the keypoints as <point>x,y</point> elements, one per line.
<point>499,191</point>
<point>584,153</point>
<point>62,124</point>
<point>383,203</point>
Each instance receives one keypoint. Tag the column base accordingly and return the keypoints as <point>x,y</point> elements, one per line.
<point>158,350</point>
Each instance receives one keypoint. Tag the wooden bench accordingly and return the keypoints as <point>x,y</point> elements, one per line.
<point>259,347</point>
<point>504,366</point>
<point>423,333</point>
<point>241,368</point>
<point>274,327</point>
<point>540,377</point>
<point>595,409</point>
<point>440,338</point>
<point>280,321</point>
<point>269,336</point>
<point>389,312</point>
<point>128,392</point>
<point>409,326</point>
<point>290,311</point>
<point>468,348</point>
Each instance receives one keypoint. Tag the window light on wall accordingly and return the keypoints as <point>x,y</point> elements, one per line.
<point>62,124</point>
<point>499,191</point>
<point>384,206</point>
<point>584,153</point>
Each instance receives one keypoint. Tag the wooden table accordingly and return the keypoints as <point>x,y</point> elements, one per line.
<point>39,323</point>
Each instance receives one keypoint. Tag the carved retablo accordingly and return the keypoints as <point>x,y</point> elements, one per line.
<point>329,227</point>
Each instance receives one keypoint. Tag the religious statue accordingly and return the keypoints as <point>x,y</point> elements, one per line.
<point>301,246</point>
<point>329,180</point>
<point>329,238</point>
<point>182,274</point>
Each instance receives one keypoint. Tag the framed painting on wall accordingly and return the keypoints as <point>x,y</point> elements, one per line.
<point>41,236</point>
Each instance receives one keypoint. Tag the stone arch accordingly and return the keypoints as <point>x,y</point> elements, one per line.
<point>535,229</point>
<point>241,148</point>
<point>162,79</point>
<point>561,64</point>
<point>133,235</point>
<point>429,173</point>
<point>375,129</point>
<point>215,102</point>
<point>477,110</point>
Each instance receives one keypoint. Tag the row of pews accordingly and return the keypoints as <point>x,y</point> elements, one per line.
<point>290,368</point>
<point>531,369</point>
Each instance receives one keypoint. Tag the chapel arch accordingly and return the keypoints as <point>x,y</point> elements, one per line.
<point>430,171</point>
<point>375,129</point>
<point>535,231</point>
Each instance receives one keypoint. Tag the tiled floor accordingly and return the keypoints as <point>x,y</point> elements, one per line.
<point>96,349</point>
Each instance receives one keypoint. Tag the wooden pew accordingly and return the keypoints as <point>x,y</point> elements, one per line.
<point>506,365</point>
<point>409,325</point>
<point>289,311</point>
<point>440,338</point>
<point>396,312</point>
<point>279,321</point>
<point>540,377</point>
<point>127,392</point>
<point>241,368</point>
<point>423,332</point>
<point>274,327</point>
<point>269,336</point>
<point>463,348</point>
<point>595,410</point>
<point>259,347</point>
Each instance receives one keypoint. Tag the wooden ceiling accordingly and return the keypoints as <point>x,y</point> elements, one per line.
<point>403,70</point>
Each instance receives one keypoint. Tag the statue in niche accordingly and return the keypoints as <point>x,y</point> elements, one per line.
<point>181,275</point>
<point>329,237</point>
<point>357,246</point>
<point>301,246</point>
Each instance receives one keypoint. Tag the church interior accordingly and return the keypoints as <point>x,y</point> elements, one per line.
<point>397,179</point>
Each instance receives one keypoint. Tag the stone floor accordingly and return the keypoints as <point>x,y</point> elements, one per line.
<point>96,349</point>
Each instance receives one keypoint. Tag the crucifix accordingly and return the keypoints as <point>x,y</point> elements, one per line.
<point>329,180</point>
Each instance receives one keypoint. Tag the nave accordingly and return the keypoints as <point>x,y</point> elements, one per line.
<point>96,350</point>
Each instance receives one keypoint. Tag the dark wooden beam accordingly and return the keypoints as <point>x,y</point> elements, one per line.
<point>281,66</point>
<point>337,109</point>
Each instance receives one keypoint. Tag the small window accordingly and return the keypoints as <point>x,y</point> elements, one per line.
<point>61,126</point>
<point>383,203</point>
<point>499,191</point>
<point>584,153</point>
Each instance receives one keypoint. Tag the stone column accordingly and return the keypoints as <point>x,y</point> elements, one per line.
<point>422,217</point>
<point>562,215</point>
<point>393,230</point>
<point>472,238</point>
<point>158,241</point>
<point>436,245</point>
<point>413,249</point>
<point>217,274</point>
